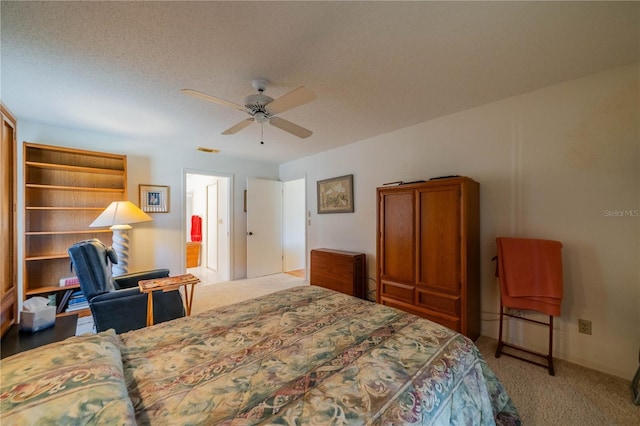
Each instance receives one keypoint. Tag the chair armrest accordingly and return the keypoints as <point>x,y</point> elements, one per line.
<point>116,294</point>
<point>131,280</point>
<point>125,310</point>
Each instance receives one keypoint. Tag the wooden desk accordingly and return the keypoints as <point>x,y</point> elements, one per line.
<point>168,284</point>
<point>16,341</point>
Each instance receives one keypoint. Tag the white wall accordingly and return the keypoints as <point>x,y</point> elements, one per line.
<point>551,164</point>
<point>159,243</point>
<point>294,218</point>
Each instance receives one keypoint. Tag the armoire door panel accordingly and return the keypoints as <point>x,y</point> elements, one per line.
<point>439,238</point>
<point>398,236</point>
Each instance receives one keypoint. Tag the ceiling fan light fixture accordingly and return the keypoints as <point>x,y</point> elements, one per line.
<point>260,117</point>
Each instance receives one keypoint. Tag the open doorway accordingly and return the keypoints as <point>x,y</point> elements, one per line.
<point>207,226</point>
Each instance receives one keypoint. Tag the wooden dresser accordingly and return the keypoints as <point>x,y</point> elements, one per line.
<point>339,270</point>
<point>428,251</point>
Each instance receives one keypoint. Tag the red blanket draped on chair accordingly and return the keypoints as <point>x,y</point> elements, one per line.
<point>530,274</point>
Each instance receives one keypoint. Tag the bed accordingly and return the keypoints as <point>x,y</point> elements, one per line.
<point>303,356</point>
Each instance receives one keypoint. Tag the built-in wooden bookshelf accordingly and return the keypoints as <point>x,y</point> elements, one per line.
<point>65,190</point>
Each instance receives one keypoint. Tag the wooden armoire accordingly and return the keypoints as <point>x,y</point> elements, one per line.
<point>428,244</point>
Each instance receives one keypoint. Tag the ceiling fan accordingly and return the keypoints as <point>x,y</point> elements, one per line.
<point>263,108</point>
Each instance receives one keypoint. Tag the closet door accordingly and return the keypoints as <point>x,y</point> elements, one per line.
<point>396,245</point>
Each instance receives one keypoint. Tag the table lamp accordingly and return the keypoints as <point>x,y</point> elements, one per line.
<point>118,216</point>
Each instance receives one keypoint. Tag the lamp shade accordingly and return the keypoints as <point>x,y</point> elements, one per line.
<point>120,213</point>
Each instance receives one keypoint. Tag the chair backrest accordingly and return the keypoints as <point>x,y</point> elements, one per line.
<point>90,259</point>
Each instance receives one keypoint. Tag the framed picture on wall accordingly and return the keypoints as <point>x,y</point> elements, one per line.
<point>154,198</point>
<point>335,195</point>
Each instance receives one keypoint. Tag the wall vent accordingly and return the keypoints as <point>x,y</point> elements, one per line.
<point>208,150</point>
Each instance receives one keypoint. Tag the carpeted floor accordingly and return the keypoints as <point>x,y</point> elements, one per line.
<point>208,296</point>
<point>574,396</point>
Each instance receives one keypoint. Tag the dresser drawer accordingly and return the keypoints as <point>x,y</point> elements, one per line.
<point>398,291</point>
<point>449,322</point>
<point>446,320</point>
<point>444,303</point>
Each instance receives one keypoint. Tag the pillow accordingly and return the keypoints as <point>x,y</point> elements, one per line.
<point>77,381</point>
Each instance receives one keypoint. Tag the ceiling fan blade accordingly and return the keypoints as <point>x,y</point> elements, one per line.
<point>241,125</point>
<point>290,127</point>
<point>210,98</point>
<point>297,97</point>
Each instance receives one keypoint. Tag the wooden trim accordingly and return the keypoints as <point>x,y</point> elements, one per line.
<point>9,299</point>
<point>72,150</point>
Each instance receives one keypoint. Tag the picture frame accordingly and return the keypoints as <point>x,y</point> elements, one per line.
<point>335,195</point>
<point>154,198</point>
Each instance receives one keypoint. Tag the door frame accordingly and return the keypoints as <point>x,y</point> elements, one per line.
<point>230,214</point>
<point>307,221</point>
<point>210,227</point>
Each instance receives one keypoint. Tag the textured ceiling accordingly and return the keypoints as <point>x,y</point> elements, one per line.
<point>118,67</point>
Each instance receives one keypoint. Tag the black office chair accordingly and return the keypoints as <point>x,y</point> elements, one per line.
<point>117,302</point>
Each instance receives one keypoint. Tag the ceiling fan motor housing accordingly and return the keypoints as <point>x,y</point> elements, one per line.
<point>257,103</point>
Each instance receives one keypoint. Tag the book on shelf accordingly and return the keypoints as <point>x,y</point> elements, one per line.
<point>72,299</point>
<point>75,301</point>
<point>64,282</point>
<point>63,301</point>
<point>77,307</point>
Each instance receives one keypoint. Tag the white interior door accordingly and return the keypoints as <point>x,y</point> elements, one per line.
<point>212,226</point>
<point>264,227</point>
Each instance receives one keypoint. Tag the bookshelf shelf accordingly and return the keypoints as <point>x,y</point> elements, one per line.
<point>50,289</point>
<point>84,231</point>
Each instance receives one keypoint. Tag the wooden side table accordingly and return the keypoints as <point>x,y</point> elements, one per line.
<point>339,270</point>
<point>168,284</point>
<point>15,341</point>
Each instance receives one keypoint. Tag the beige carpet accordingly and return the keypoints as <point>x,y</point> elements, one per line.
<point>574,396</point>
<point>208,296</point>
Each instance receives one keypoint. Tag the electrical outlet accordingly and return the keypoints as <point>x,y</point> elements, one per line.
<point>584,326</point>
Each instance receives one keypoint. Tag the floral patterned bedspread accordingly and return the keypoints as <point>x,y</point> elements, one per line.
<point>309,356</point>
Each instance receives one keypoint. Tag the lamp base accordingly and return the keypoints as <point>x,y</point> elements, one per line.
<point>120,244</point>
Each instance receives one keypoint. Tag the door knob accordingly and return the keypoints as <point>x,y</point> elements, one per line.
<point>249,233</point>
